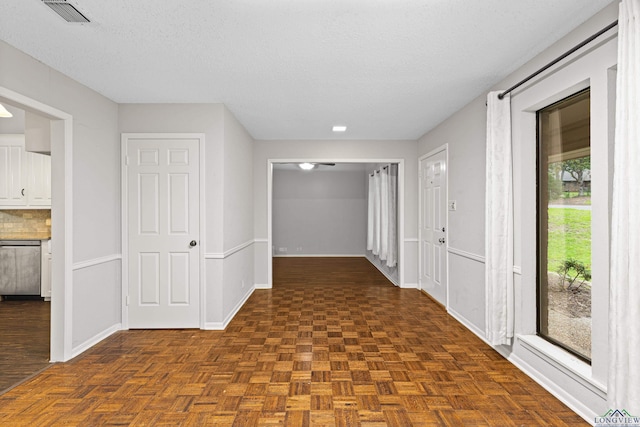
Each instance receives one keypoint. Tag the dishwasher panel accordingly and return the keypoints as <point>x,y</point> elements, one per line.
<point>20,263</point>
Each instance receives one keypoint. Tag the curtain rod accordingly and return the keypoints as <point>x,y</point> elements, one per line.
<point>558,59</point>
<point>378,171</point>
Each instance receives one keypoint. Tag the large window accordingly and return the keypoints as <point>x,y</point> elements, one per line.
<point>564,224</point>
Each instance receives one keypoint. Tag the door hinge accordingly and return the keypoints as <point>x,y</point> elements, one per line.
<point>127,300</point>
<point>126,160</point>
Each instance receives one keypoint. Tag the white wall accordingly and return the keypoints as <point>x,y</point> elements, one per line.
<point>347,151</point>
<point>237,230</point>
<point>464,133</point>
<point>88,175</point>
<point>579,385</point>
<point>321,211</point>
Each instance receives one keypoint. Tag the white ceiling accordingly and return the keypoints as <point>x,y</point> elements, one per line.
<point>290,69</point>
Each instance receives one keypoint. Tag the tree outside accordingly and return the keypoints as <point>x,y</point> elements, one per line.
<point>578,169</point>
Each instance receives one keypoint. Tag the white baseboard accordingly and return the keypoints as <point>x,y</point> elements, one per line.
<point>473,328</point>
<point>213,326</point>
<point>95,340</point>
<point>410,286</point>
<point>262,286</point>
<point>319,256</point>
<point>238,306</point>
<point>220,326</point>
<point>576,406</point>
<point>391,279</point>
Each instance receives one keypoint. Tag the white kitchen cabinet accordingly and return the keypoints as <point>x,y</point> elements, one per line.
<point>25,177</point>
<point>39,181</point>
<point>13,170</point>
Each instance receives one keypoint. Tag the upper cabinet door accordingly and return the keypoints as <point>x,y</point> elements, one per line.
<point>25,177</point>
<point>13,171</point>
<point>39,188</point>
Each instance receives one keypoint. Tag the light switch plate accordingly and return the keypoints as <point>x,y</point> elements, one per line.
<point>452,205</point>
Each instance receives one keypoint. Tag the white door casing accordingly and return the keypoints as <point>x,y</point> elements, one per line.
<point>163,221</point>
<point>433,223</point>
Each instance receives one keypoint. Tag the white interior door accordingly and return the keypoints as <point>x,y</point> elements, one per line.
<point>163,232</point>
<point>433,222</point>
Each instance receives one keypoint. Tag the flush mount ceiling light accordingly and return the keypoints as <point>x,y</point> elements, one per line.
<point>306,166</point>
<point>67,11</point>
<point>4,113</point>
<point>339,128</point>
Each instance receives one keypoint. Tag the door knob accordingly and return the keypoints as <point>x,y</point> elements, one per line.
<point>441,240</point>
<point>193,243</point>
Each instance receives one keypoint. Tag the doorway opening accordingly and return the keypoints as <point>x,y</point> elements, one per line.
<point>322,212</point>
<point>60,127</point>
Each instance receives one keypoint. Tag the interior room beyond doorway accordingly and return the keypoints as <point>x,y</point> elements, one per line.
<point>323,211</point>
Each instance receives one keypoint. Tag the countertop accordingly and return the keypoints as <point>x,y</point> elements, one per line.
<point>25,236</point>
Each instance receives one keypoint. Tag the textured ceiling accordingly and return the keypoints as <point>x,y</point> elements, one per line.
<point>290,69</point>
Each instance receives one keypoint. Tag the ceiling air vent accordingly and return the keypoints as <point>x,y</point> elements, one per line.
<point>67,11</point>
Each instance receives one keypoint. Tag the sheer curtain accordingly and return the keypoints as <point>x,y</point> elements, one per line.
<point>376,213</point>
<point>392,250</point>
<point>623,391</point>
<point>382,227</point>
<point>499,222</point>
<point>384,212</point>
<point>370,214</point>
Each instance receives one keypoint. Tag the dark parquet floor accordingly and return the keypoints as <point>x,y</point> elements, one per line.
<point>24,339</point>
<point>332,344</point>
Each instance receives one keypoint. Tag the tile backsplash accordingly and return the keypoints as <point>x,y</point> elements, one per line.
<point>19,221</point>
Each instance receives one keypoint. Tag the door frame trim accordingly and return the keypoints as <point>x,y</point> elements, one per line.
<point>124,139</point>
<point>61,347</point>
<point>445,148</point>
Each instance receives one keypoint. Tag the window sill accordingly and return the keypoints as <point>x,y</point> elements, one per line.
<point>562,360</point>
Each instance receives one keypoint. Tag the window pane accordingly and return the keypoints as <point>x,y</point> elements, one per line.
<point>564,224</point>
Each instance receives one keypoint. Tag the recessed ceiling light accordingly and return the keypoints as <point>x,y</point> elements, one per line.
<point>339,128</point>
<point>306,166</point>
<point>4,112</point>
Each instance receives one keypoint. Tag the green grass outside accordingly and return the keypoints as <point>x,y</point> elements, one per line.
<point>569,236</point>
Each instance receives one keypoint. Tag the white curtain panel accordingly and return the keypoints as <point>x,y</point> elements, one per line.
<point>370,212</point>
<point>384,212</point>
<point>392,250</point>
<point>499,222</point>
<point>376,213</point>
<point>623,391</point>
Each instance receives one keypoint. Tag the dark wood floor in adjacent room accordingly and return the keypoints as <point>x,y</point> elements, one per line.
<point>332,344</point>
<point>24,339</point>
